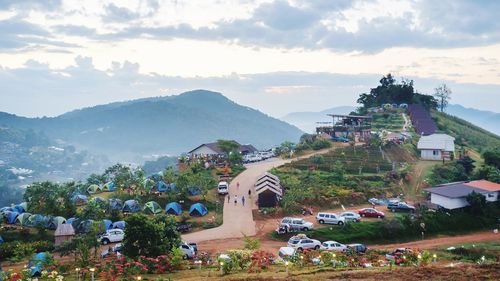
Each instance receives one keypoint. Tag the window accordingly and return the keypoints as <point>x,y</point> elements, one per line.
<point>321,215</point>
<point>435,152</point>
<point>491,195</point>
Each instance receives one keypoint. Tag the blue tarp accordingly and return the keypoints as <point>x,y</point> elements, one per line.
<point>36,263</point>
<point>131,206</point>
<point>194,190</point>
<point>107,224</point>
<point>173,208</point>
<point>118,224</point>
<point>198,210</point>
<point>115,204</point>
<point>10,217</point>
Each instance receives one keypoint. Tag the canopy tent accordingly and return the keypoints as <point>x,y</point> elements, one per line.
<point>194,190</point>
<point>173,208</point>
<point>119,225</point>
<point>131,206</point>
<point>152,208</point>
<point>94,188</point>
<point>80,199</point>
<point>107,224</point>
<point>22,219</point>
<point>198,210</point>
<point>115,204</point>
<point>10,217</point>
<point>109,187</point>
<point>36,263</point>
<point>54,222</point>
<point>36,220</point>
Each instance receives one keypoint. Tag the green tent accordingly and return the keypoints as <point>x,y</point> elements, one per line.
<point>109,187</point>
<point>54,222</point>
<point>24,205</point>
<point>22,219</point>
<point>152,208</point>
<point>93,189</point>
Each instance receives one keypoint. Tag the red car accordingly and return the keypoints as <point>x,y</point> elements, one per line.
<point>371,213</point>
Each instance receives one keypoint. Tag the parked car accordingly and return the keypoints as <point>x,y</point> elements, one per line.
<point>183,227</point>
<point>351,217</point>
<point>303,243</point>
<point>187,250</point>
<point>223,187</point>
<point>358,248</point>
<point>333,246</point>
<point>371,213</point>
<point>400,206</point>
<point>112,236</point>
<point>330,218</point>
<point>296,224</point>
<point>340,139</point>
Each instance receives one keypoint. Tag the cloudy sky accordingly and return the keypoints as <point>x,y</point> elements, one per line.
<point>277,56</point>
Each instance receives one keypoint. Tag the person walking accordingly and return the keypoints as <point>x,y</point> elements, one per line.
<point>249,193</point>
<point>235,199</point>
<point>238,185</point>
<point>243,200</point>
<point>228,198</point>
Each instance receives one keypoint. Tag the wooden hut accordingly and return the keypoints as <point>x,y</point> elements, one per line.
<point>64,232</point>
<point>269,191</point>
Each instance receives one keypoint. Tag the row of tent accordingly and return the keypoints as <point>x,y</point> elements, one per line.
<point>108,187</point>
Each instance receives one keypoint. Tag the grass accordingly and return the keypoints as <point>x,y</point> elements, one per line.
<point>470,252</point>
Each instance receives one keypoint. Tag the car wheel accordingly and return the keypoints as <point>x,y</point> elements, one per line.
<point>305,229</point>
<point>105,242</point>
<point>379,217</point>
<point>393,210</point>
<point>341,223</point>
<point>321,221</point>
<point>363,215</point>
<point>316,247</point>
<point>300,249</point>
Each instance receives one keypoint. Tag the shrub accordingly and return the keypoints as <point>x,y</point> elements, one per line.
<point>320,144</point>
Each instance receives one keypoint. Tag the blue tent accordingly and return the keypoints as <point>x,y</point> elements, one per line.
<point>109,187</point>
<point>71,221</point>
<point>10,217</point>
<point>107,224</point>
<point>118,224</point>
<point>80,199</point>
<point>7,209</point>
<point>1,240</point>
<point>115,204</point>
<point>19,208</point>
<point>36,263</point>
<point>36,219</point>
<point>194,190</point>
<point>173,208</point>
<point>84,226</point>
<point>131,206</point>
<point>99,200</point>
<point>160,186</point>
<point>198,210</point>
<point>171,187</point>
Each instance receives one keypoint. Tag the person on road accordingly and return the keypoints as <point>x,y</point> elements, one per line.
<point>228,198</point>
<point>235,199</point>
<point>238,185</point>
<point>243,200</point>
<point>249,193</point>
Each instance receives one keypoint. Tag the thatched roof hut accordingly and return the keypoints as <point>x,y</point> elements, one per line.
<point>64,232</point>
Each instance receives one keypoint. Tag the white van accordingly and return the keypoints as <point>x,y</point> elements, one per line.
<point>187,250</point>
<point>223,188</point>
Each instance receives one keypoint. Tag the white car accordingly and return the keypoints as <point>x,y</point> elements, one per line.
<point>223,187</point>
<point>351,216</point>
<point>330,218</point>
<point>112,236</point>
<point>304,243</point>
<point>333,246</point>
<point>297,224</point>
<point>187,250</point>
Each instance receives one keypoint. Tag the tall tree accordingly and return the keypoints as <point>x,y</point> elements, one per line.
<point>443,95</point>
<point>228,146</point>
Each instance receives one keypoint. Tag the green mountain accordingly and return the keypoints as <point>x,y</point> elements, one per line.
<point>163,125</point>
<point>306,121</point>
<point>485,119</point>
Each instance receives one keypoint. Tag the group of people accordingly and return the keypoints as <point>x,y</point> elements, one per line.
<point>236,196</point>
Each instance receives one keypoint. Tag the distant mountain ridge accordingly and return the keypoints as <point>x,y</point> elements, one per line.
<point>306,121</point>
<point>485,119</point>
<point>160,125</point>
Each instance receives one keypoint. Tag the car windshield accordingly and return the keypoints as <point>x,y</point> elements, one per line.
<point>293,241</point>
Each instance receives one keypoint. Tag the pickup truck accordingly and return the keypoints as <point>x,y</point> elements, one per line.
<point>401,207</point>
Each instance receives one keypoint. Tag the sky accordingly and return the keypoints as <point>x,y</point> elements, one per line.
<point>276,56</point>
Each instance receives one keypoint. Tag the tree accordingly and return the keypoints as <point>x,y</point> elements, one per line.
<point>50,198</point>
<point>443,95</point>
<point>81,246</point>
<point>492,157</point>
<point>150,238</point>
<point>477,203</point>
<point>93,211</point>
<point>228,146</point>
<point>467,163</point>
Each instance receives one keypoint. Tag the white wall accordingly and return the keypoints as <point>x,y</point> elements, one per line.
<point>493,198</point>
<point>427,154</point>
<point>448,203</point>
<point>203,150</point>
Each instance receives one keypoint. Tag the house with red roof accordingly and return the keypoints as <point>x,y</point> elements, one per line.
<point>454,195</point>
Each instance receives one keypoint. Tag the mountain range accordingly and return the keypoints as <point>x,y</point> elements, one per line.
<point>124,131</point>
<point>485,119</point>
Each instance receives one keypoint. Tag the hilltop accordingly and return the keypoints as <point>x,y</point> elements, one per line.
<point>162,125</point>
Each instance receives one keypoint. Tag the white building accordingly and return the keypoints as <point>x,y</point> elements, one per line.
<point>454,195</point>
<point>436,147</point>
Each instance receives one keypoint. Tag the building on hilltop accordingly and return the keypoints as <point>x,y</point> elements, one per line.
<point>212,149</point>
<point>347,126</point>
<point>436,147</point>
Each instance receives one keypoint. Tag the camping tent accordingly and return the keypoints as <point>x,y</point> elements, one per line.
<point>64,232</point>
<point>80,199</point>
<point>173,208</point>
<point>36,220</point>
<point>22,219</point>
<point>118,224</point>
<point>198,210</point>
<point>54,222</point>
<point>109,187</point>
<point>93,189</point>
<point>99,200</point>
<point>71,221</point>
<point>1,240</point>
<point>115,204</point>
<point>21,208</point>
<point>7,209</point>
<point>10,217</point>
<point>84,226</point>
<point>107,224</point>
<point>131,206</point>
<point>36,263</point>
<point>152,208</point>
<point>160,186</point>
<point>194,190</point>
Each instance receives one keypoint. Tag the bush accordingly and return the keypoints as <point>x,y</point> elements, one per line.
<point>320,144</point>
<point>16,251</point>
